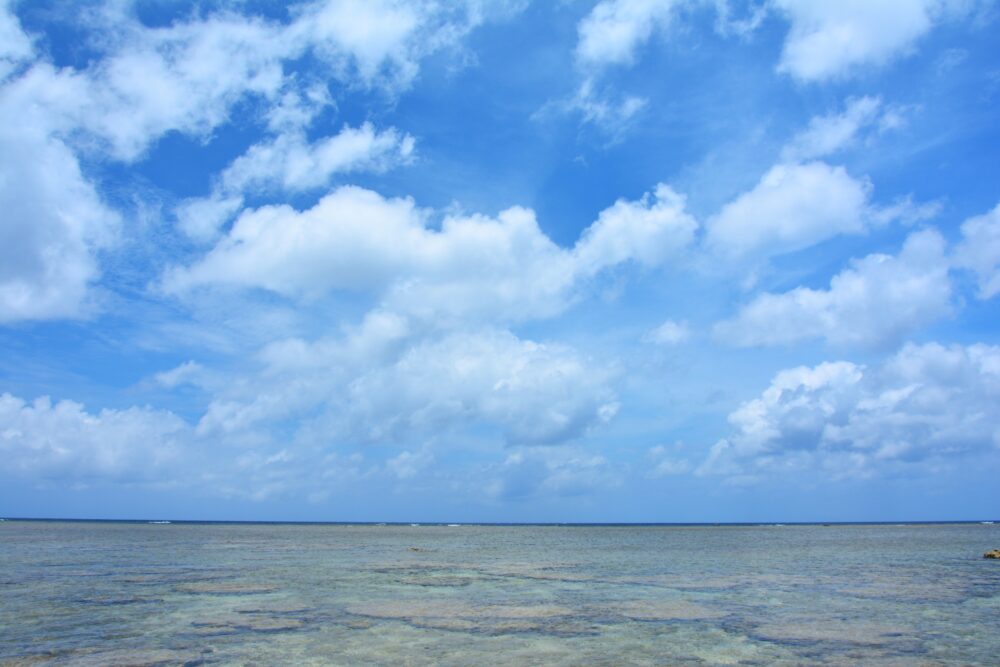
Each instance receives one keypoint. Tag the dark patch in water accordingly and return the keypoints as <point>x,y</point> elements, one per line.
<point>115,601</point>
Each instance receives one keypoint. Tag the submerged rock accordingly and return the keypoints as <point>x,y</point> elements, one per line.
<point>992,554</point>
<point>275,608</point>
<point>462,616</point>
<point>664,610</point>
<point>246,623</point>
<point>138,658</point>
<point>857,633</point>
<point>225,588</point>
<point>448,608</point>
<point>28,660</point>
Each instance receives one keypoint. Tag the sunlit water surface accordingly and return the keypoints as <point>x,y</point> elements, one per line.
<point>168,594</point>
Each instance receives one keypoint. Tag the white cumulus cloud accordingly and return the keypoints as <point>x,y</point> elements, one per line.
<point>289,162</point>
<point>386,382</point>
<point>826,40</point>
<point>792,207</point>
<point>927,404</point>
<point>835,39</point>
<point>535,393</point>
<point>875,302</point>
<point>187,373</point>
<point>669,333</point>
<point>64,441</point>
<point>15,45</point>
<point>473,267</point>
<point>293,163</point>
<point>52,225</point>
<point>614,29</point>
<point>979,251</point>
<point>550,471</point>
<point>831,133</point>
<point>407,464</point>
<point>648,231</point>
<point>666,461</point>
<point>185,77</point>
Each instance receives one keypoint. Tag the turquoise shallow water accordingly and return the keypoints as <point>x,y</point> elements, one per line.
<point>217,594</point>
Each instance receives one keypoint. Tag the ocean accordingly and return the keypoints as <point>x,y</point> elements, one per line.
<point>110,593</point>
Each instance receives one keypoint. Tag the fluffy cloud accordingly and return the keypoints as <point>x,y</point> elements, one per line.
<point>669,333</point>
<point>407,464</point>
<point>799,203</point>
<point>356,240</point>
<point>184,77</point>
<point>614,29</point>
<point>383,382</point>
<point>297,377</point>
<point>548,471</point>
<point>925,405</point>
<point>875,302</point>
<point>979,250</point>
<point>381,42</point>
<point>187,373</point>
<point>792,207</point>
<point>648,230</point>
<point>371,37</point>
<point>666,461</point>
<point>535,393</point>
<point>832,39</point>
<point>64,441</point>
<point>15,45</point>
<point>825,40</point>
<point>473,267</point>
<point>187,76</point>
<point>289,161</point>
<point>201,218</point>
<point>828,134</point>
<point>54,222</point>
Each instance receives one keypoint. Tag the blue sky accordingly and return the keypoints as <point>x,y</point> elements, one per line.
<point>632,260</point>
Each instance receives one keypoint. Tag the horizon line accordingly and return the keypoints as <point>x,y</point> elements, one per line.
<point>817,522</point>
